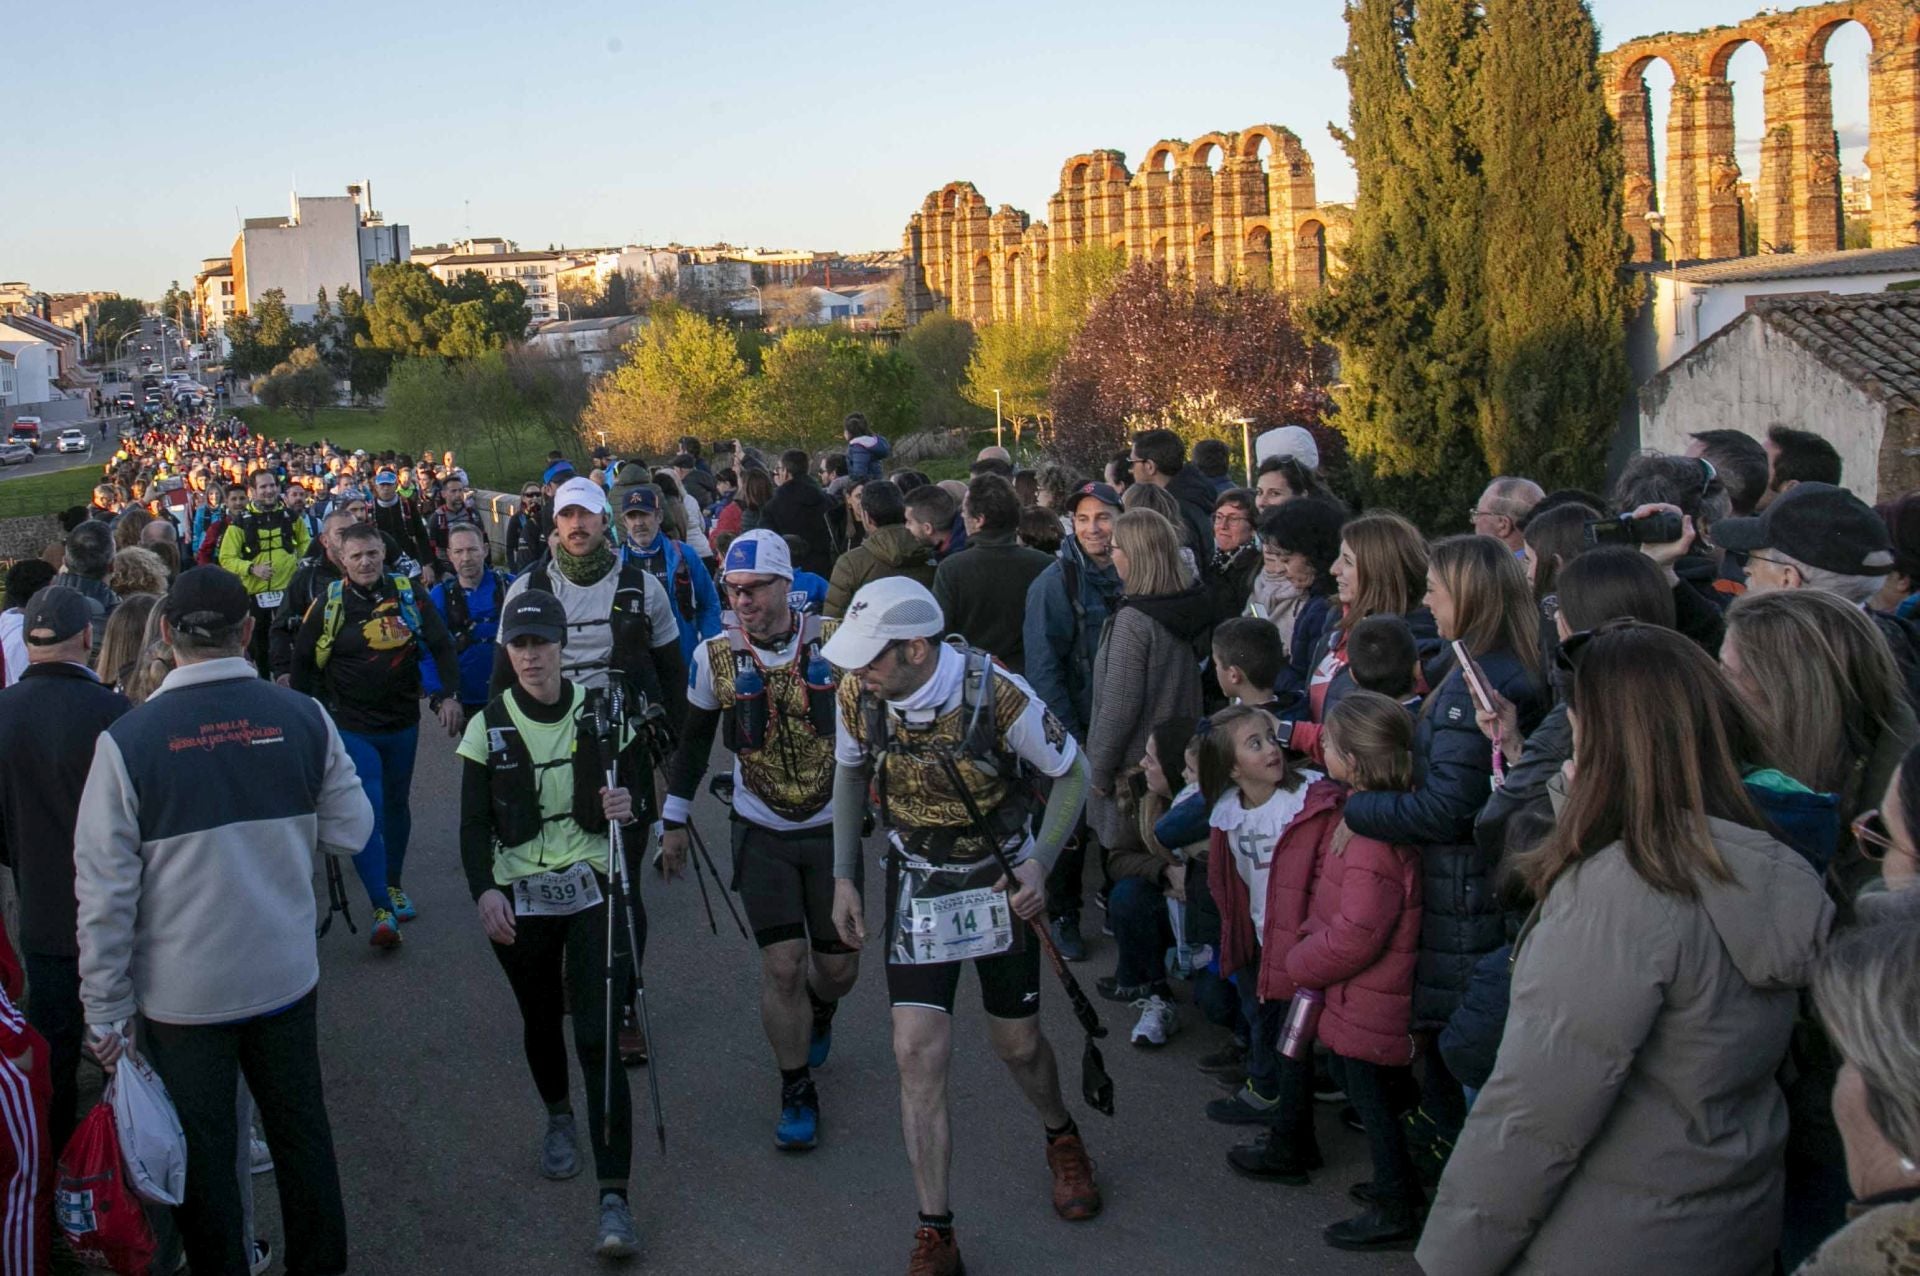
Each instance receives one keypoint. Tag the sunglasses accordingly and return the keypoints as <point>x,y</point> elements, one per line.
<point>1567,658</point>
<point>1871,836</point>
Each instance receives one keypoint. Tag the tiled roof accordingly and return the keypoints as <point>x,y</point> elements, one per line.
<point>1872,339</point>
<point>1857,261</point>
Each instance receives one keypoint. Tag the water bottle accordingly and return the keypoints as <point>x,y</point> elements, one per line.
<point>750,706</point>
<point>823,687</point>
<point>1303,1016</point>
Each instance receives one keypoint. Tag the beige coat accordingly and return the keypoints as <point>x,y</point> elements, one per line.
<point>1633,1122</point>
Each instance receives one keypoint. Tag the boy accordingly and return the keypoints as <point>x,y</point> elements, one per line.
<point>1382,656</point>
<point>1247,658</point>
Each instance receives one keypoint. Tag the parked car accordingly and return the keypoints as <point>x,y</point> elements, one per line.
<point>12,453</point>
<point>71,439</point>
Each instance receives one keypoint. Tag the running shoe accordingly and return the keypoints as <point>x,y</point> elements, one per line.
<point>1066,937</point>
<point>1274,1159</point>
<point>633,1040</point>
<point>403,908</point>
<point>799,1127</point>
<point>560,1150</point>
<point>617,1237</point>
<point>1113,990</point>
<point>1229,1060</point>
<point>262,1257</point>
<point>1157,1022</point>
<point>386,931</point>
<point>1076,1197</point>
<point>259,1156</point>
<point>820,1045</point>
<point>1246,1106</point>
<point>935,1253</point>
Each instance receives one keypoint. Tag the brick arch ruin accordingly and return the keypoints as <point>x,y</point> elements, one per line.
<point>1797,204</point>
<point>1238,205</point>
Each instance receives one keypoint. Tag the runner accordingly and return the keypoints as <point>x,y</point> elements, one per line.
<point>534,813</point>
<point>911,711</point>
<point>263,547</point>
<point>765,683</point>
<point>358,651</point>
<point>469,600</point>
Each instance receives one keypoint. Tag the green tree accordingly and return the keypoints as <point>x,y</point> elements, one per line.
<point>177,304</point>
<point>276,333</point>
<point>811,378</point>
<point>243,341</point>
<point>114,318</point>
<point>683,375</point>
<point>503,315</point>
<point>1558,297</point>
<point>1407,313</point>
<point>408,312</point>
<point>938,349</point>
<point>1018,357</point>
<point>303,384</point>
<point>367,367</point>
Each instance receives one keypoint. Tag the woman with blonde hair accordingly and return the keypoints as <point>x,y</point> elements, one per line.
<point>1146,496</point>
<point>1634,1118</point>
<point>1146,669</point>
<point>155,662</point>
<point>1819,676</point>
<point>124,639</point>
<point>137,571</point>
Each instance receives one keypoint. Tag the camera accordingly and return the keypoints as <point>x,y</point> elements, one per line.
<point>1662,527</point>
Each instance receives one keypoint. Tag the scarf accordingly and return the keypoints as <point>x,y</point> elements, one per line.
<point>586,568</point>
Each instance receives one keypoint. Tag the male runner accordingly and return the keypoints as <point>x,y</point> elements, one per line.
<point>764,681</point>
<point>912,712</point>
<point>263,547</point>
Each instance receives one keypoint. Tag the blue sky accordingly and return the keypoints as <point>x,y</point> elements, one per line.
<point>592,121</point>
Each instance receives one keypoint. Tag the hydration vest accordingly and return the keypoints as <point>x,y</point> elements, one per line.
<point>678,579</point>
<point>632,651</point>
<point>334,615</point>
<point>513,777</point>
<point>778,721</point>
<point>252,521</point>
<point>460,615</point>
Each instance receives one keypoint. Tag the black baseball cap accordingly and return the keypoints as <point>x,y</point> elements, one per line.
<point>534,613</point>
<point>206,602</point>
<point>55,614</point>
<point>1820,525</point>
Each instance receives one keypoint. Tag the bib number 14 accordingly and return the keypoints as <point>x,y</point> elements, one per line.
<point>975,923</point>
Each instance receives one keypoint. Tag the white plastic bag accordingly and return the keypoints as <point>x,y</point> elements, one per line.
<point>151,1140</point>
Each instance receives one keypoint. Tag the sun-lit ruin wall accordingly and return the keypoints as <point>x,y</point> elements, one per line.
<point>1254,218</point>
<point>1797,204</point>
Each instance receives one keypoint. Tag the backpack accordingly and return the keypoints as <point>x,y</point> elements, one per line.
<point>334,614</point>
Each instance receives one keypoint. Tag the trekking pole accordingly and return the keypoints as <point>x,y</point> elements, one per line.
<point>336,900</point>
<point>608,717</point>
<point>1096,1086</point>
<point>700,880</point>
<point>700,850</point>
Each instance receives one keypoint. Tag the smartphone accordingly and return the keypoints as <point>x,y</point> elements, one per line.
<point>1476,680</point>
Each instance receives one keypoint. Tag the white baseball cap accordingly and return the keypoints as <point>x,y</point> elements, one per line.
<point>758,553</point>
<point>579,493</point>
<point>1296,441</point>
<point>887,610</point>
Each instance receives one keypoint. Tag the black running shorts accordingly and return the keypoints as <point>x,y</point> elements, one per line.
<point>1009,982</point>
<point>785,879</point>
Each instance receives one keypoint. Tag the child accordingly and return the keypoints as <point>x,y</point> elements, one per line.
<point>1361,944</point>
<point>1145,876</point>
<point>1382,656</point>
<point>1185,824</point>
<point>1270,823</point>
<point>1247,658</point>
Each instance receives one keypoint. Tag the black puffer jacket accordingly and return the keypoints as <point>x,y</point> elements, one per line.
<point>1453,770</point>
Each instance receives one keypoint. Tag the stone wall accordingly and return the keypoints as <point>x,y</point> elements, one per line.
<point>1796,205</point>
<point>1229,206</point>
<point>26,537</point>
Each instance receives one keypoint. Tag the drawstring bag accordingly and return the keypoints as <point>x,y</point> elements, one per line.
<point>151,1140</point>
<point>97,1211</point>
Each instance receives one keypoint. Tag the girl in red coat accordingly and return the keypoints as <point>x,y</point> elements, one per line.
<point>1362,937</point>
<point>1270,824</point>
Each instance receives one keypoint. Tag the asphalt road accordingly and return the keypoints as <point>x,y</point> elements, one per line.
<point>437,1122</point>
<point>52,462</point>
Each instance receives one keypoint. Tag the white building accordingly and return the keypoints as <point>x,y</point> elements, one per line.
<point>215,300</point>
<point>594,343</point>
<point>325,242</point>
<point>28,367</point>
<point>538,273</point>
<point>1845,367</point>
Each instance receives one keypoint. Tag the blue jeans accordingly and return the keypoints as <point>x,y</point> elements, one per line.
<point>1263,1031</point>
<point>1137,910</point>
<point>385,764</point>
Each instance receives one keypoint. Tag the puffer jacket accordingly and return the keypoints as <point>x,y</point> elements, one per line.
<point>1310,621</point>
<point>1062,632</point>
<point>1296,862</point>
<point>1453,771</point>
<point>1306,733</point>
<point>1362,939</point>
<point>887,551</point>
<point>1634,1120</point>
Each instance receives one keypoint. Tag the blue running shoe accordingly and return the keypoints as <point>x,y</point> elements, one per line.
<point>822,1043</point>
<point>799,1127</point>
<point>403,909</point>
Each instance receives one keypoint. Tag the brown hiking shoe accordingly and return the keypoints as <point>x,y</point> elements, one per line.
<point>1076,1197</point>
<point>633,1042</point>
<point>935,1253</point>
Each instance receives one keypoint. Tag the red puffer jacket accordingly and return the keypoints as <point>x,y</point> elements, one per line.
<point>1362,940</point>
<point>1296,861</point>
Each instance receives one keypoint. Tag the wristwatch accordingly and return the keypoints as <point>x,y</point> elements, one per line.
<point>435,700</point>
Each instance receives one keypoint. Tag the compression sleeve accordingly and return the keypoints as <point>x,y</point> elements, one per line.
<point>849,811</point>
<point>690,762</point>
<point>1065,800</point>
<point>476,827</point>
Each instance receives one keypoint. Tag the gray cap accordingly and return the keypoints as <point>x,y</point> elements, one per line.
<point>55,614</point>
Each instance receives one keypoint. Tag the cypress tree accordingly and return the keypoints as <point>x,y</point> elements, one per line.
<point>1407,312</point>
<point>1556,294</point>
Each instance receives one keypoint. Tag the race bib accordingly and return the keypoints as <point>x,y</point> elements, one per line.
<point>560,893</point>
<point>974,923</point>
<point>269,598</point>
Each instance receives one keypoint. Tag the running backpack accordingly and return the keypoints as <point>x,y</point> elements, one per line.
<point>334,614</point>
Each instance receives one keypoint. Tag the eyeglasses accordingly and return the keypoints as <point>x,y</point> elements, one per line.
<point>1477,512</point>
<point>1871,836</point>
<point>1754,556</point>
<point>1229,519</point>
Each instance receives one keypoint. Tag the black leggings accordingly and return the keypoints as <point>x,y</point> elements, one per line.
<point>547,951</point>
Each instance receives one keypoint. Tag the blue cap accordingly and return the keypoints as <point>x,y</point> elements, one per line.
<point>386,476</point>
<point>641,498</point>
<point>557,471</point>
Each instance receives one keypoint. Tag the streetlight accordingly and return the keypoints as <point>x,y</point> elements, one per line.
<point>564,306</point>
<point>1246,444</point>
<point>996,418</point>
<point>1657,223</point>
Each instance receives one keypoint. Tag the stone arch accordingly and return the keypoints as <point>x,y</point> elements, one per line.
<point>1883,222</point>
<point>1163,156</point>
<point>1014,300</point>
<point>1203,258</point>
<point>1816,46</point>
<point>1205,145</point>
<point>1157,255</point>
<point>981,293</point>
<point>1279,141</point>
<point>1632,106</point>
<point>1256,257</point>
<point>1309,256</point>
